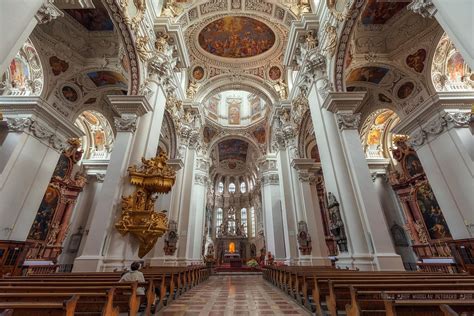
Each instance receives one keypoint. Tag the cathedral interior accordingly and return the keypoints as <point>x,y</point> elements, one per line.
<point>236,135</point>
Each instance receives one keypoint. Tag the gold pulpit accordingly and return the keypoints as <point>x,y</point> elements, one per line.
<point>138,216</point>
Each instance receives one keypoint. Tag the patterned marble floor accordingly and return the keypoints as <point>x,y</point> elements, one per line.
<point>234,295</point>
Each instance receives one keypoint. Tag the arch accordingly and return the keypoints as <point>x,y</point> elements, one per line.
<point>98,138</point>
<point>219,138</point>
<point>243,82</point>
<point>170,138</point>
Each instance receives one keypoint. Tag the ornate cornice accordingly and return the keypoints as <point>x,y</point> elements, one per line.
<point>425,8</point>
<point>40,131</point>
<point>437,126</point>
<point>348,120</point>
<point>130,104</point>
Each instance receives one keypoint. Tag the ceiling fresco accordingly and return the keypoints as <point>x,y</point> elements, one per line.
<point>107,78</point>
<point>236,37</point>
<point>379,12</point>
<point>235,149</point>
<point>93,19</point>
<point>368,74</point>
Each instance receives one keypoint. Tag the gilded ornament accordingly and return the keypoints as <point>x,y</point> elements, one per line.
<point>139,217</point>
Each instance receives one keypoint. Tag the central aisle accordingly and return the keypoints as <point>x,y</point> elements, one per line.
<point>234,295</point>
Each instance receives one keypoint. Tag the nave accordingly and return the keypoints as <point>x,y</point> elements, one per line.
<point>234,295</point>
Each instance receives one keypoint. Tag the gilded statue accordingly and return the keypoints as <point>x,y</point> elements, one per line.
<point>281,89</point>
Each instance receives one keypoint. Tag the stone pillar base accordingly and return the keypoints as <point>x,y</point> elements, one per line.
<point>388,262</point>
<point>88,264</point>
<point>314,261</point>
<point>363,262</point>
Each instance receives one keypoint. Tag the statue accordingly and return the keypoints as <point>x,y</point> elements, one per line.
<point>281,89</point>
<point>311,41</point>
<point>192,89</point>
<point>336,225</point>
<point>421,231</point>
<point>53,233</point>
<point>331,42</point>
<point>304,238</point>
<point>171,238</point>
<point>172,9</point>
<point>270,258</point>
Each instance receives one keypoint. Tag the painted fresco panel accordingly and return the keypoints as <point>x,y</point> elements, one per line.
<point>92,19</point>
<point>40,227</point>
<point>233,149</point>
<point>368,74</point>
<point>236,37</point>
<point>233,105</point>
<point>431,212</point>
<point>379,12</point>
<point>106,78</point>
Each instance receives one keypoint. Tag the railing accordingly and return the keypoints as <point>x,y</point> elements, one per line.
<point>463,253</point>
<point>47,269</point>
<point>434,250</point>
<point>438,267</point>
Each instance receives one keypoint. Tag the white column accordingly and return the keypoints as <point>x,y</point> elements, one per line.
<point>310,213</point>
<point>337,181</point>
<point>276,236</point>
<point>443,145</point>
<point>37,134</point>
<point>170,203</point>
<point>370,208</point>
<point>456,20</point>
<point>108,205</point>
<point>288,204</point>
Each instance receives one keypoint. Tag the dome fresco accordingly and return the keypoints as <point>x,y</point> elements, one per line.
<point>236,37</point>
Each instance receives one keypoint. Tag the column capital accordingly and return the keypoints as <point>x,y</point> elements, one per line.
<point>200,179</point>
<point>129,105</point>
<point>270,178</point>
<point>344,101</point>
<point>126,123</point>
<point>348,120</point>
<point>48,12</point>
<point>425,8</point>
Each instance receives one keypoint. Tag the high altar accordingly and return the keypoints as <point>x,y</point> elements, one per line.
<point>232,241</point>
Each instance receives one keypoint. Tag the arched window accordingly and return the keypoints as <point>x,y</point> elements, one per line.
<point>220,187</point>
<point>243,219</point>
<point>219,217</point>
<point>250,185</point>
<point>232,188</point>
<point>253,222</point>
<point>243,187</point>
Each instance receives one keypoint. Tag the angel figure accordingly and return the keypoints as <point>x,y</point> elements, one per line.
<point>192,89</point>
<point>172,9</point>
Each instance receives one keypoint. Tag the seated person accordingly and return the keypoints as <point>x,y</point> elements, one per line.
<point>134,275</point>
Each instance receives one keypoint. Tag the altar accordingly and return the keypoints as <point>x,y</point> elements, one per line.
<point>233,259</point>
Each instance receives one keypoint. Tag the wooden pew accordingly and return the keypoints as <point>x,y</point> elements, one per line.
<point>51,308</point>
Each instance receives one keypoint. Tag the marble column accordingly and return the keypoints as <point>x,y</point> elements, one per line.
<point>277,238</point>
<point>455,21</point>
<point>310,213</point>
<point>37,134</point>
<point>338,182</point>
<point>343,104</point>
<point>443,145</point>
<point>108,205</point>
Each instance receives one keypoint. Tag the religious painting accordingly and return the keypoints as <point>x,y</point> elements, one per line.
<point>255,104</point>
<point>456,68</point>
<point>198,73</point>
<point>104,78</point>
<point>39,229</point>
<point>236,37</point>
<point>405,90</point>
<point>416,60</point>
<point>233,105</point>
<point>431,212</point>
<point>69,93</point>
<point>383,117</point>
<point>63,167</point>
<point>356,88</point>
<point>379,12</point>
<point>213,103</point>
<point>208,134</point>
<point>232,165</point>
<point>274,73</point>
<point>368,74</point>
<point>314,154</point>
<point>374,136</point>
<point>57,65</point>
<point>384,98</point>
<point>92,19</point>
<point>412,165</point>
<point>19,73</point>
<point>260,135</point>
<point>233,149</point>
